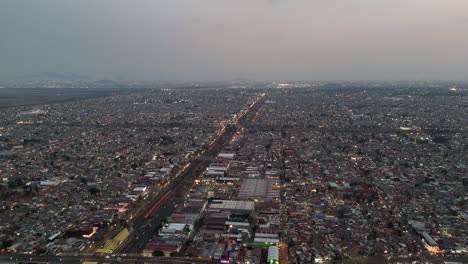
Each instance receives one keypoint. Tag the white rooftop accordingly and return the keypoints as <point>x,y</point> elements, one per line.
<point>232,205</point>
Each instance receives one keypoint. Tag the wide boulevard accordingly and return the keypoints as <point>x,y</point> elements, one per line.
<point>145,224</point>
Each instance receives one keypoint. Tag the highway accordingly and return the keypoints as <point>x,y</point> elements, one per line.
<point>79,259</point>
<point>145,224</point>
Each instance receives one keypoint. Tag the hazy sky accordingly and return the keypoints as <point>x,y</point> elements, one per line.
<point>226,39</point>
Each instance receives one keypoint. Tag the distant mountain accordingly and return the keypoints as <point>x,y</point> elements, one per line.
<point>54,76</point>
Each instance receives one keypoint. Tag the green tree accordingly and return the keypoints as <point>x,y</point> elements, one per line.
<point>7,243</point>
<point>94,191</point>
<point>41,251</point>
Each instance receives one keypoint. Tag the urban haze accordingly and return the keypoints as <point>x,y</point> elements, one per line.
<point>182,40</point>
<point>233,132</point>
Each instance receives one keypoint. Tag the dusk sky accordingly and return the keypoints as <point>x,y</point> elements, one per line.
<point>225,39</point>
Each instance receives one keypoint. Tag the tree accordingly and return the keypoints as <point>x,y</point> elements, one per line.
<point>6,243</point>
<point>94,191</point>
<point>41,251</point>
<point>199,223</point>
<point>389,225</point>
<point>398,232</point>
<point>158,227</point>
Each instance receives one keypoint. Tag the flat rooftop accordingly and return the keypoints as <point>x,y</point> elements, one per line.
<point>259,188</point>
<point>232,205</point>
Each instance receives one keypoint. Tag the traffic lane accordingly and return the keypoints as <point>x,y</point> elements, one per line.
<point>34,258</point>
<point>167,194</point>
<point>156,205</point>
<point>173,184</point>
<point>162,209</point>
<point>148,229</point>
<point>179,186</point>
<point>73,259</point>
<point>147,232</point>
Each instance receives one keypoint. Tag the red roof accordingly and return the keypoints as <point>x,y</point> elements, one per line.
<point>160,248</point>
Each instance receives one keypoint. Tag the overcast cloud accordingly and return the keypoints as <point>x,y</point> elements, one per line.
<point>226,39</point>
